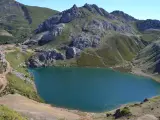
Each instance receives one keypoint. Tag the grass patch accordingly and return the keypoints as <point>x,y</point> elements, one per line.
<point>66,63</point>
<point>8,114</point>
<point>89,59</point>
<point>116,50</point>
<point>151,36</point>
<point>17,61</point>
<point>6,39</point>
<point>16,85</point>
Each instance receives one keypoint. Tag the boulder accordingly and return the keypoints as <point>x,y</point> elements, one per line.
<point>146,100</point>
<point>45,58</point>
<point>72,52</point>
<point>34,63</point>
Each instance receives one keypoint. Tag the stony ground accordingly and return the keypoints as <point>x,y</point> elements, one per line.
<point>35,110</point>
<point>149,110</point>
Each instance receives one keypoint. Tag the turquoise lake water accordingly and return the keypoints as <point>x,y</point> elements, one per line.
<point>92,89</point>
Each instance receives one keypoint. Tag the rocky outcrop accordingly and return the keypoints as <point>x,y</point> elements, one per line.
<point>45,58</point>
<point>94,31</point>
<point>46,36</point>
<point>148,24</point>
<point>3,64</point>
<point>63,17</point>
<point>123,16</point>
<point>96,10</point>
<point>72,52</point>
<point>84,40</point>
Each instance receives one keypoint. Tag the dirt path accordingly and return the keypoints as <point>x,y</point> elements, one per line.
<point>3,80</point>
<point>35,110</point>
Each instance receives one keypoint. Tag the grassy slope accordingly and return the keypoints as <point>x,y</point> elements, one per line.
<point>151,35</point>
<point>122,48</point>
<point>148,58</point>
<point>16,85</point>
<point>8,114</point>
<point>18,26</point>
<point>17,60</point>
<point>39,15</point>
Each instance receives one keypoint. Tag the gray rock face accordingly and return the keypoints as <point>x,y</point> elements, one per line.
<point>96,27</point>
<point>70,14</point>
<point>95,9</point>
<point>72,52</point>
<point>93,30</point>
<point>45,58</point>
<point>63,17</point>
<point>101,26</point>
<point>47,36</point>
<point>83,41</point>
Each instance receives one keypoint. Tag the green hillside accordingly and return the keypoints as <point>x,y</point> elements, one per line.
<point>20,20</point>
<point>8,114</point>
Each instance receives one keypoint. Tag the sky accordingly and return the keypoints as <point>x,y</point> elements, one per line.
<point>140,9</point>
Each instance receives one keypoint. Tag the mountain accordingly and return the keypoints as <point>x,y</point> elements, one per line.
<point>17,21</point>
<point>77,35</point>
<point>83,33</point>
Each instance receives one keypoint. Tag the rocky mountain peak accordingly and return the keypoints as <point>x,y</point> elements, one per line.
<point>123,15</point>
<point>97,10</point>
<point>62,17</point>
<point>74,6</point>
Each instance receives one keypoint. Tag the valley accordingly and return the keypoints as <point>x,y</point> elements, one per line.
<point>71,49</point>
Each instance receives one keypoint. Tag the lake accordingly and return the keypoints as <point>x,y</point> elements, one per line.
<point>92,89</point>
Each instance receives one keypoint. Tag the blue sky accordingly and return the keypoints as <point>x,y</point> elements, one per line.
<point>141,9</point>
